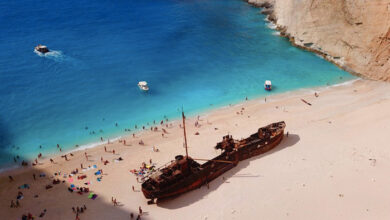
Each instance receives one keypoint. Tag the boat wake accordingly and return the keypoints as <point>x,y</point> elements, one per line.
<point>55,55</point>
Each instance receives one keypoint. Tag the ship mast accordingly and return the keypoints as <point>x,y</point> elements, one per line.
<point>185,135</point>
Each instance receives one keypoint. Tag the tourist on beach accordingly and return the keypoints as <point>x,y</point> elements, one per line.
<point>42,213</point>
<point>13,204</point>
<point>10,178</point>
<point>86,155</point>
<point>124,142</point>
<point>17,203</point>
<point>140,210</point>
<point>131,215</point>
<point>81,165</point>
<point>133,188</point>
<point>113,151</point>
<point>105,149</point>
<point>138,217</point>
<point>101,159</point>
<point>51,160</point>
<point>34,176</point>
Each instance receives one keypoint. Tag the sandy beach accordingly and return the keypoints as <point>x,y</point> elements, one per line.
<point>333,164</point>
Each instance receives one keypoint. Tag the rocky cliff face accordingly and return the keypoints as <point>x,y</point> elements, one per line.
<point>354,34</point>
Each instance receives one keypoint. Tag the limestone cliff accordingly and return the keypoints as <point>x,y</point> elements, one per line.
<point>355,34</point>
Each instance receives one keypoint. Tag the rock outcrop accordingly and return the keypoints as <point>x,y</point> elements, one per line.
<point>354,34</point>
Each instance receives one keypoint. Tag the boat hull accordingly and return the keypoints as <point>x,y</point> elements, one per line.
<point>247,148</point>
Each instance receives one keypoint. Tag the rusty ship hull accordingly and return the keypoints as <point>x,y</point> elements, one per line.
<point>206,173</point>
<point>185,174</point>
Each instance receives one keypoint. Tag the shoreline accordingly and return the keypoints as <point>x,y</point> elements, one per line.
<point>338,115</point>
<point>204,112</point>
<point>268,10</point>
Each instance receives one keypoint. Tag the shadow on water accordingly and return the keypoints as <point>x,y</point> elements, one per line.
<point>5,142</point>
<point>196,195</point>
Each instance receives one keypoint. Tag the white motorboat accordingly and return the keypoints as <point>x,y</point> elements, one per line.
<point>41,48</point>
<point>268,85</point>
<point>143,85</point>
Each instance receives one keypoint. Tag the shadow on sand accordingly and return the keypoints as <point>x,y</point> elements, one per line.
<point>196,195</point>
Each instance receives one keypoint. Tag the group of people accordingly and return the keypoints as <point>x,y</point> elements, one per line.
<point>79,210</point>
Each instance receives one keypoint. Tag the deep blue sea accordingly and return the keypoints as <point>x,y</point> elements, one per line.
<point>198,54</point>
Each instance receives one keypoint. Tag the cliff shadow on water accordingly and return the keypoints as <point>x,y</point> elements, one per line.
<point>199,194</point>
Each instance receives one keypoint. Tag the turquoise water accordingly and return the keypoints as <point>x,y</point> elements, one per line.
<point>195,54</point>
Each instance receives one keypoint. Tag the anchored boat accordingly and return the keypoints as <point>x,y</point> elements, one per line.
<point>143,85</point>
<point>268,85</point>
<point>185,173</point>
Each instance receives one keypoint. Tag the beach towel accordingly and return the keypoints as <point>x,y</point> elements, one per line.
<point>70,180</point>
<point>94,196</point>
<point>72,185</point>
<point>94,166</point>
<point>24,186</point>
<point>99,179</point>
<point>90,195</point>
<point>98,173</point>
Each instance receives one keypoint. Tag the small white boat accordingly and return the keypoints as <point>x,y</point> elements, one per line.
<point>41,48</point>
<point>143,85</point>
<point>268,85</point>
